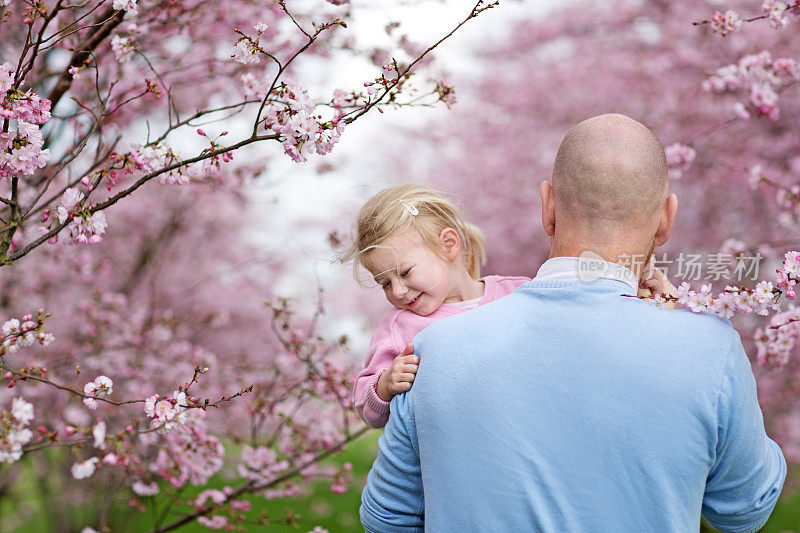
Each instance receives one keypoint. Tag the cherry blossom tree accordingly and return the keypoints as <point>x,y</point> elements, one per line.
<point>718,88</point>
<point>142,336</point>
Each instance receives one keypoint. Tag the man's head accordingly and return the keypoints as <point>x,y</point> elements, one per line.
<point>609,192</point>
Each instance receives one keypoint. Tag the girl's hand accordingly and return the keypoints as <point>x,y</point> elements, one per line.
<point>399,376</point>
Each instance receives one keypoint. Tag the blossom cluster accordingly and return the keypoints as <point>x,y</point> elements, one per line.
<point>260,464</point>
<point>100,387</point>
<point>128,6</point>
<point>189,453</point>
<point>217,498</point>
<point>247,48</point>
<point>21,150</point>
<point>776,341</point>
<point>152,158</point>
<point>737,299</point>
<point>84,226</point>
<point>13,433</point>
<point>679,158</point>
<point>725,23</point>
<point>446,94</point>
<point>776,12</point>
<point>760,76</point>
<point>16,333</point>
<point>123,47</point>
<point>167,413</point>
<point>302,132</point>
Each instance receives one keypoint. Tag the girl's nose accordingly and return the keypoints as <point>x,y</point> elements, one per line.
<point>398,289</point>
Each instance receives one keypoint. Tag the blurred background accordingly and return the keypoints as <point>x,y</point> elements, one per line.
<point>523,73</point>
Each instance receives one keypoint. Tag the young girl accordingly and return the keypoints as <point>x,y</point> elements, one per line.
<point>418,247</point>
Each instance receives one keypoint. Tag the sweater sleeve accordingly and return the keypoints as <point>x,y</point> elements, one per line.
<point>393,498</point>
<point>382,351</point>
<point>748,471</point>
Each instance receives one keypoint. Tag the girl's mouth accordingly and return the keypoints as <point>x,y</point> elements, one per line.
<point>414,301</point>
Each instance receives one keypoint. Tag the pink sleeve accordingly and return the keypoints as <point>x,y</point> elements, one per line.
<point>382,351</point>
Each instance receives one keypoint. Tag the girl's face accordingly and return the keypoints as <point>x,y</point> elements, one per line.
<point>413,276</point>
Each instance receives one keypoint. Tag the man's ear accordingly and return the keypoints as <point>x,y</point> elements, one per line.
<point>548,208</point>
<point>667,220</point>
<point>450,242</point>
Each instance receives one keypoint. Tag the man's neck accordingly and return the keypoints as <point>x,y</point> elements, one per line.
<point>633,258</point>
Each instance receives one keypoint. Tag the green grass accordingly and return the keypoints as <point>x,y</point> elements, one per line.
<point>336,513</point>
<point>321,507</point>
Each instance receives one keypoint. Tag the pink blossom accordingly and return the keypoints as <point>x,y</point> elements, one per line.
<point>216,496</point>
<point>724,305</point>
<point>240,505</point>
<point>446,93</point>
<point>99,434</point>
<point>126,5</point>
<point>791,264</point>
<point>764,99</point>
<point>246,51</point>
<point>339,98</point>
<point>21,152</point>
<point>776,13</point>
<point>22,411</point>
<point>775,343</point>
<point>786,69</point>
<point>150,405</point>
<point>725,24</point>
<point>69,200</point>
<point>13,434</point>
<point>111,459</point>
<point>6,76</point>
<point>261,464</point>
<point>733,247</point>
<point>123,48</point>
<point>84,469</point>
<point>679,158</point>
<point>100,387</point>
<point>214,522</point>
<point>145,489</point>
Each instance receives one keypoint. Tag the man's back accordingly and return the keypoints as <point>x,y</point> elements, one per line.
<point>566,406</point>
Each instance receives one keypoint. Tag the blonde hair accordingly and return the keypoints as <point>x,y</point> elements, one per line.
<point>419,207</point>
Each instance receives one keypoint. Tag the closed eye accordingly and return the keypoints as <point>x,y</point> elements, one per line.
<point>405,273</point>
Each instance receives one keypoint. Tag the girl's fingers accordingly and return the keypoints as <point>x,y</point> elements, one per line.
<point>405,377</point>
<point>403,387</point>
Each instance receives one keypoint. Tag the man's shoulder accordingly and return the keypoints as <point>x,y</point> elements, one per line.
<point>705,324</point>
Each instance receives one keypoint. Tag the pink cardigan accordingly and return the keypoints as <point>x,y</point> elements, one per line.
<point>397,328</point>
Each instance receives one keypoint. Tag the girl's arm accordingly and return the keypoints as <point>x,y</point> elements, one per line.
<point>373,410</point>
<point>387,383</point>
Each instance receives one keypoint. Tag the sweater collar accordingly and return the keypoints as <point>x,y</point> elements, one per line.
<point>586,269</point>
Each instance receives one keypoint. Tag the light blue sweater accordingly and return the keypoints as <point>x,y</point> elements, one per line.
<point>568,407</point>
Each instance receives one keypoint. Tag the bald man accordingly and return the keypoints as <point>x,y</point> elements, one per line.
<point>569,405</point>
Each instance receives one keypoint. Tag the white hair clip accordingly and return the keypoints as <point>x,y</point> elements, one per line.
<point>411,209</point>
